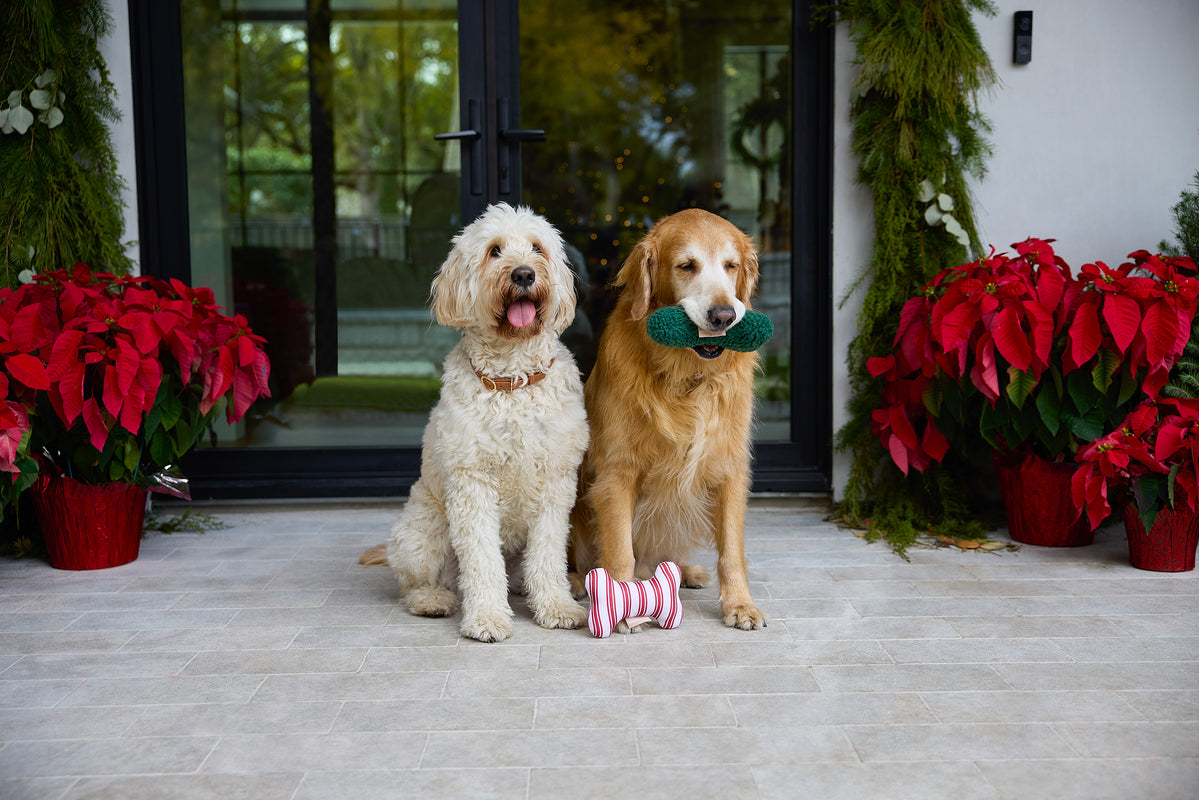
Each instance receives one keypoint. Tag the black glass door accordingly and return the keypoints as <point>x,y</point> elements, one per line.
<point>330,149</point>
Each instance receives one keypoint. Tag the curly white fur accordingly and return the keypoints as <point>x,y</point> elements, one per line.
<point>498,468</point>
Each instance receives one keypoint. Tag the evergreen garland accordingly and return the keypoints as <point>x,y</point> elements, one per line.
<point>60,196</point>
<point>918,132</point>
<point>1184,378</point>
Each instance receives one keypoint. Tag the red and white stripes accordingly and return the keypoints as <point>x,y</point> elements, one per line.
<point>612,601</point>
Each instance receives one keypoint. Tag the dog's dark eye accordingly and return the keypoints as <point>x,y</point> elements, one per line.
<point>536,248</point>
<point>688,266</point>
<point>730,266</point>
<point>496,251</point>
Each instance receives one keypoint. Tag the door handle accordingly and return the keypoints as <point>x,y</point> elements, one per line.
<point>466,135</point>
<point>521,135</point>
<point>471,142</point>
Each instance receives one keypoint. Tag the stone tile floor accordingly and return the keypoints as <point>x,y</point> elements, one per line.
<point>261,661</point>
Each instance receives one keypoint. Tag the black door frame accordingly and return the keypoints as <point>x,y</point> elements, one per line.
<point>488,33</point>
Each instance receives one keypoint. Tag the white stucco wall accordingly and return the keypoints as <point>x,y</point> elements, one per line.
<point>1093,140</point>
<point>115,49</point>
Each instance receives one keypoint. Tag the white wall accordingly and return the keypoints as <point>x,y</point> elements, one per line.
<point>115,49</point>
<point>1093,140</point>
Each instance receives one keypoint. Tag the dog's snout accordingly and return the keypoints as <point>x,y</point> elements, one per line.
<point>524,277</point>
<point>720,317</point>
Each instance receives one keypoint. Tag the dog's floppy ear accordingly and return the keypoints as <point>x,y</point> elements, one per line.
<point>637,276</point>
<point>747,276</point>
<point>564,275</point>
<point>446,294</point>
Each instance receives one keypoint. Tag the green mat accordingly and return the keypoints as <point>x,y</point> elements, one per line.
<point>384,392</point>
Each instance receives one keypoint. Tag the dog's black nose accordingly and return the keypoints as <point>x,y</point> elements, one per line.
<point>720,317</point>
<point>524,277</point>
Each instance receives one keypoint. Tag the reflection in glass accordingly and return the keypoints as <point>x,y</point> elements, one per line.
<point>392,207</point>
<point>655,107</point>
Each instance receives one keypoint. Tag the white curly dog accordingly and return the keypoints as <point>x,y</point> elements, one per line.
<point>500,454</point>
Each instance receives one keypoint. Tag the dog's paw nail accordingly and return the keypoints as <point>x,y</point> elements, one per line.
<point>495,629</point>
<point>566,617</point>
<point>745,617</point>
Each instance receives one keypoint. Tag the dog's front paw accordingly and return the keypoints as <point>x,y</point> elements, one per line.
<point>566,614</point>
<point>694,576</point>
<point>487,627</point>
<point>578,589</point>
<point>745,616</point>
<point>431,601</point>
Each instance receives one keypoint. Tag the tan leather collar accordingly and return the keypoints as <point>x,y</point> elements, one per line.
<point>508,384</point>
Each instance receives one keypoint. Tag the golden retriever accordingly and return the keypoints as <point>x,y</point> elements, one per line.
<point>667,467</point>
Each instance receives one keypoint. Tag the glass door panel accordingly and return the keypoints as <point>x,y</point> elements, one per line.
<point>655,107</point>
<point>320,205</point>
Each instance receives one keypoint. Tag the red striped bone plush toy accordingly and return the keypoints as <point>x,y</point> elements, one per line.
<point>637,602</point>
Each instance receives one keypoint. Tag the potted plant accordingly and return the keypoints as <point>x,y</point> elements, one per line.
<point>110,381</point>
<point>1035,362</point>
<point>1150,461</point>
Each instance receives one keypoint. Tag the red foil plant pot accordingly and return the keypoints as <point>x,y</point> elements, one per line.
<point>89,527</point>
<point>1169,546</point>
<point>1037,502</point>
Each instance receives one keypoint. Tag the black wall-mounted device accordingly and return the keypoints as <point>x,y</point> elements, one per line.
<point>1022,38</point>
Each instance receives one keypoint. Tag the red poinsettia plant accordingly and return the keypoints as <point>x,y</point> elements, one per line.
<point>112,379</point>
<point>1027,355</point>
<point>1153,455</point>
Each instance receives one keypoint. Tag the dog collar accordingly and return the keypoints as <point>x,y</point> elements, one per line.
<point>508,384</point>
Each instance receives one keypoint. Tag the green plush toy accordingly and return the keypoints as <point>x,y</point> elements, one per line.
<point>671,327</point>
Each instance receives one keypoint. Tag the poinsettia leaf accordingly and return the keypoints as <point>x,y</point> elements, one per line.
<point>1081,391</point>
<point>1169,441</point>
<point>1123,317</point>
<point>899,453</point>
<point>64,356</point>
<point>934,442</point>
<point>69,395</point>
<point>957,325</point>
<point>1010,339</point>
<point>128,364</point>
<point>112,395</point>
<point>901,426</point>
<point>1020,386</point>
<point>1160,327</point>
<point>27,329</point>
<point>97,427</point>
<point>1128,386</point>
<point>133,407</point>
<point>985,374</point>
<point>1049,406</point>
<point>1106,364</point>
<point>1085,335</point>
<point>1087,427</point>
<point>880,365</point>
<point>28,370</point>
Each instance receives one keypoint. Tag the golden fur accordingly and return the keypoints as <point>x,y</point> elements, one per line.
<point>667,468</point>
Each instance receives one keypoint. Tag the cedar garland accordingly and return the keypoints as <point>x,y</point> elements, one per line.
<point>60,192</point>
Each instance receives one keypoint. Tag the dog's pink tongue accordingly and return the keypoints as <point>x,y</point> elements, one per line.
<point>521,313</point>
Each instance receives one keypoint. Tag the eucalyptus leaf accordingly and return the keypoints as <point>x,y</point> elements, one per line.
<point>20,118</point>
<point>14,99</point>
<point>945,202</point>
<point>53,118</point>
<point>45,79</point>
<point>40,99</point>
<point>932,215</point>
<point>927,191</point>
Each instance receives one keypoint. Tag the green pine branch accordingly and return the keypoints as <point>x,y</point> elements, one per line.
<point>60,195</point>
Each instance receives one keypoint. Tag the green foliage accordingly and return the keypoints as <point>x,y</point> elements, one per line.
<point>61,190</point>
<point>1184,379</point>
<point>187,522</point>
<point>916,120</point>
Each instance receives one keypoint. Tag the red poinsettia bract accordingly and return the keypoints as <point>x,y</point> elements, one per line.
<point>95,347</point>
<point>997,327</point>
